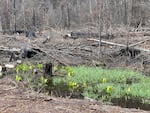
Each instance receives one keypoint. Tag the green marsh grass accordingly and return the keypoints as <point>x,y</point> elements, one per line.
<point>92,82</point>
<point>97,81</point>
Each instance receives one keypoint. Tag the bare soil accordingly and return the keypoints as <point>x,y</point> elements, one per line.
<point>79,51</point>
<point>16,98</point>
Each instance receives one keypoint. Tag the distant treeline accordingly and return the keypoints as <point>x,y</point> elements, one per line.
<point>42,14</point>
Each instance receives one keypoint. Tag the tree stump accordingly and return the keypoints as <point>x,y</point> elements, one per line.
<point>48,68</point>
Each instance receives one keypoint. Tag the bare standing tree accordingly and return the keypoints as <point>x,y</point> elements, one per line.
<point>91,11</point>
<point>100,27</point>
<point>23,11</point>
<point>0,25</point>
<point>24,14</point>
<point>15,27</point>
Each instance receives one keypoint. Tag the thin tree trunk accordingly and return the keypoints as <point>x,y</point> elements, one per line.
<point>1,30</point>
<point>24,19</point>
<point>68,15</point>
<point>78,12</point>
<point>100,30</point>
<point>15,15</point>
<point>91,12</point>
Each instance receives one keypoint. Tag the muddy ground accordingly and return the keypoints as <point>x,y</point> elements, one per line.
<point>50,46</point>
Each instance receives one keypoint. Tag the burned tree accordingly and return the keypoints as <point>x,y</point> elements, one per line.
<point>48,70</point>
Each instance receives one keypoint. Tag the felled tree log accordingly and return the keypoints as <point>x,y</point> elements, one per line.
<point>131,45</point>
<point>8,49</point>
<point>139,33</point>
<point>75,35</point>
<point>120,45</point>
<point>106,42</point>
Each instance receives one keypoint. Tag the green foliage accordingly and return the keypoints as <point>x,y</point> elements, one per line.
<point>105,84</point>
<point>55,68</point>
<point>73,85</point>
<point>109,89</point>
<point>43,80</point>
<point>31,66</point>
<point>69,70</point>
<point>27,74</point>
<point>18,78</point>
<point>22,68</point>
<point>103,80</point>
<point>39,65</point>
<point>92,82</point>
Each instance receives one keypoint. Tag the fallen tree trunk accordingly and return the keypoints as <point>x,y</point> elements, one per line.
<point>120,45</point>
<point>8,49</point>
<point>106,42</point>
<point>139,34</point>
<point>131,45</point>
<point>75,35</point>
<point>147,34</point>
